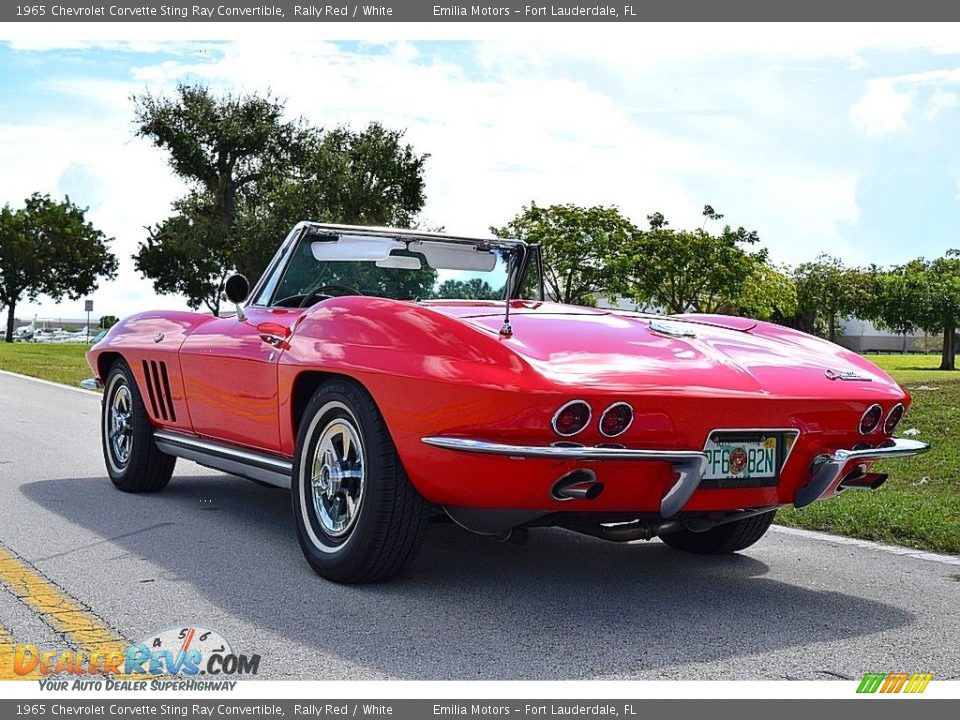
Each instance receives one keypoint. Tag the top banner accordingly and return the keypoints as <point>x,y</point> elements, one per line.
<point>617,11</point>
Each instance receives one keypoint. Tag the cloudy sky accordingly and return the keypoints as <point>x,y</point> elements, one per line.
<point>841,139</point>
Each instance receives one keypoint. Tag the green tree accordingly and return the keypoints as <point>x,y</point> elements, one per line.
<point>370,177</point>
<point>223,147</point>
<point>918,295</point>
<point>472,289</point>
<point>692,270</point>
<point>828,291</point>
<point>108,321</point>
<point>898,299</point>
<point>49,248</point>
<point>188,254</point>
<point>578,246</point>
<point>252,175</point>
<point>943,310</point>
<point>768,293</point>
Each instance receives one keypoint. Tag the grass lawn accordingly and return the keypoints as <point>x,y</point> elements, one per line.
<point>919,505</point>
<point>60,363</point>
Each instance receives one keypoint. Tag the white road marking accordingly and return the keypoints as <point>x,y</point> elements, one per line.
<point>868,544</point>
<point>49,383</point>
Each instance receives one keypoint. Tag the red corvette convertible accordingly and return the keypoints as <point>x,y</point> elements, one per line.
<point>344,378</point>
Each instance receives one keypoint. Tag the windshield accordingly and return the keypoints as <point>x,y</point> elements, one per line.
<point>400,269</point>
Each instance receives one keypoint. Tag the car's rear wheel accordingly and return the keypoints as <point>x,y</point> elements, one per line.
<point>358,517</point>
<point>722,539</point>
<point>134,463</point>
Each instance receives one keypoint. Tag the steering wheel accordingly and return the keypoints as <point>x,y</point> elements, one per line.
<point>321,291</point>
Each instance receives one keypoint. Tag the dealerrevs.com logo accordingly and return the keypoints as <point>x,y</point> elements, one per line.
<point>898,682</point>
<point>183,658</point>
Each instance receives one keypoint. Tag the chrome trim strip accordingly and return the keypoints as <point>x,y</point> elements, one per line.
<point>562,453</point>
<point>831,469</point>
<point>276,266</point>
<point>227,458</point>
<point>690,465</point>
<point>553,420</point>
<point>405,233</point>
<point>91,384</point>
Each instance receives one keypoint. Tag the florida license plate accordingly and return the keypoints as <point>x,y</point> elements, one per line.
<point>742,459</point>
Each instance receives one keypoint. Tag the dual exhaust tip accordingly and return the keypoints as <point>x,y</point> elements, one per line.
<point>577,485</point>
<point>583,484</point>
<point>860,479</point>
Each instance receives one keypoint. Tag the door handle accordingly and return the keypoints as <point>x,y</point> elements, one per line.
<point>275,340</point>
<point>274,334</point>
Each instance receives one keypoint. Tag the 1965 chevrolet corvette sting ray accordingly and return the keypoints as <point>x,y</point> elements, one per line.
<point>380,409</point>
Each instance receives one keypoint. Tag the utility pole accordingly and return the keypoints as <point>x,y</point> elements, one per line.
<point>88,306</point>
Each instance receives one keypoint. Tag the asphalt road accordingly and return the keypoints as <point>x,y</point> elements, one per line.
<point>220,552</point>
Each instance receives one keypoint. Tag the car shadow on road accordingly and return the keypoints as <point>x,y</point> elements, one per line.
<point>562,606</point>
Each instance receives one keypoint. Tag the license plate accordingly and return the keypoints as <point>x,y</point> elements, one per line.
<point>736,459</point>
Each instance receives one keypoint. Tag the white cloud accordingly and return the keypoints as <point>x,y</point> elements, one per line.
<point>882,110</point>
<point>940,101</point>
<point>510,124</point>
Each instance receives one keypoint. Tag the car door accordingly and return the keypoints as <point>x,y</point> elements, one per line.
<point>230,376</point>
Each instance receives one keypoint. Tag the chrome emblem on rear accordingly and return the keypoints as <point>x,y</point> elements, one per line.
<point>672,329</point>
<point>848,375</point>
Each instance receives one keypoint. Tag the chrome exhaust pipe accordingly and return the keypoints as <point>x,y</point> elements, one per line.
<point>577,485</point>
<point>628,531</point>
<point>862,480</point>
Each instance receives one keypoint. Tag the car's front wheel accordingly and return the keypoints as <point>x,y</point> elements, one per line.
<point>134,463</point>
<point>722,539</point>
<point>358,517</point>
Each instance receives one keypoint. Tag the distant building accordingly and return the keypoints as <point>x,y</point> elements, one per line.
<point>863,336</point>
<point>605,303</point>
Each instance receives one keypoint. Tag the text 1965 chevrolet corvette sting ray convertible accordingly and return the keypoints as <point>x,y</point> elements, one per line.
<point>379,407</point>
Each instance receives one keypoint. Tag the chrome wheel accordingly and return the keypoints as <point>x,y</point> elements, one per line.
<point>134,462</point>
<point>358,516</point>
<point>337,477</point>
<point>120,425</point>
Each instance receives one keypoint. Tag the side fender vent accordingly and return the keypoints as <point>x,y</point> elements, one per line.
<point>158,388</point>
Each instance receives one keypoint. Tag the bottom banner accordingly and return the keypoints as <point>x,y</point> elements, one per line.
<point>468,709</point>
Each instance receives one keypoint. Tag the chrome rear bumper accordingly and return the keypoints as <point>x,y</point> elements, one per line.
<point>690,465</point>
<point>830,467</point>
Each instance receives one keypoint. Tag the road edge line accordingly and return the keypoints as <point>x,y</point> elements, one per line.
<point>49,383</point>
<point>868,544</point>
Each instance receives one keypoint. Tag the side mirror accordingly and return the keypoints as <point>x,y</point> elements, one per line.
<point>237,288</point>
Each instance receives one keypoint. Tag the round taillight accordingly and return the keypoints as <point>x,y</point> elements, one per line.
<point>571,418</point>
<point>870,420</point>
<point>616,419</point>
<point>893,418</point>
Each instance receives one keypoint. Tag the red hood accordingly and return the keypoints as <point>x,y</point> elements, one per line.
<point>614,350</point>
